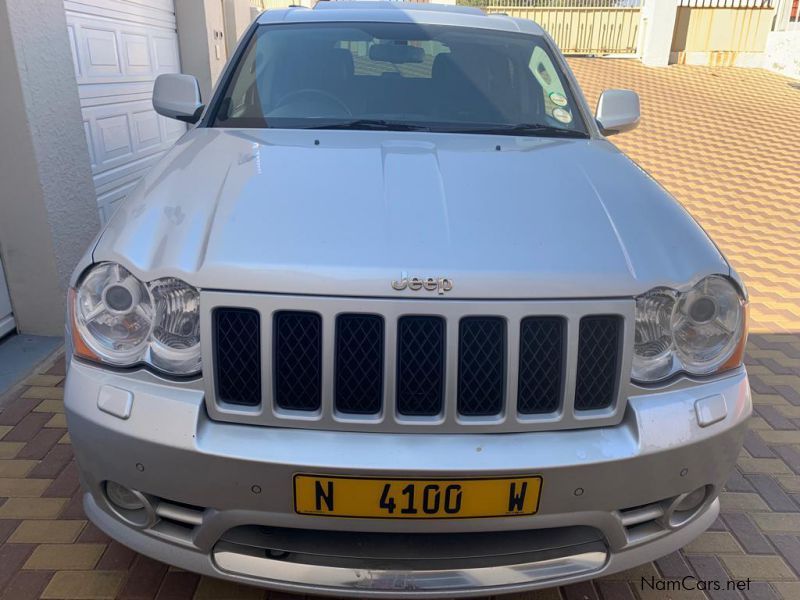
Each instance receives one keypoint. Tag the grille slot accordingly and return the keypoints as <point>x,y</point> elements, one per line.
<point>298,360</point>
<point>541,365</point>
<point>598,361</point>
<point>481,366</point>
<point>237,346</point>
<point>359,364</point>
<point>420,365</point>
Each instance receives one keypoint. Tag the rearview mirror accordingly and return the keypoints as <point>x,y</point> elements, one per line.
<point>177,96</point>
<point>617,111</point>
<point>396,53</point>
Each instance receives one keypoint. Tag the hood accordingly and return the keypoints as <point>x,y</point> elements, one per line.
<point>346,212</point>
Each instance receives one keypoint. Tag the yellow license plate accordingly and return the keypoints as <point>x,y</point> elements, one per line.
<point>378,498</point>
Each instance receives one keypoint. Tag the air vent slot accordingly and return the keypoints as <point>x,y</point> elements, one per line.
<point>598,361</point>
<point>420,365</point>
<point>237,344</point>
<point>541,365</point>
<point>359,364</point>
<point>298,360</point>
<point>481,366</point>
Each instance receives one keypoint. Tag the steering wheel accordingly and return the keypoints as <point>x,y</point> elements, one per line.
<point>313,92</point>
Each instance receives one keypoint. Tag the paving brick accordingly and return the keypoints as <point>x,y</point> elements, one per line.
<point>91,533</point>
<point>763,568</point>
<point>714,542</point>
<point>41,532</point>
<point>178,585</point>
<point>12,557</point>
<point>778,522</point>
<point>73,509</point>
<point>16,468</point>
<point>732,501</point>
<point>772,466</point>
<point>52,464</point>
<point>40,444</point>
<point>57,420</point>
<point>708,568</point>
<point>772,493</point>
<point>43,380</point>
<point>7,527</point>
<point>27,427</point>
<point>756,445</point>
<point>215,589</point>
<point>748,534</point>
<point>65,556</point>
<point>737,483</point>
<point>145,579</point>
<point>615,590</point>
<point>789,547</point>
<point>10,449</point>
<point>4,429</point>
<point>760,590</point>
<point>43,393</point>
<point>22,488</point>
<point>780,437</point>
<point>673,566</point>
<point>66,484</point>
<point>790,455</point>
<point>16,411</point>
<point>31,508</point>
<point>26,585</point>
<point>580,591</point>
<point>116,557</point>
<point>84,585</point>
<point>790,483</point>
<point>787,590</point>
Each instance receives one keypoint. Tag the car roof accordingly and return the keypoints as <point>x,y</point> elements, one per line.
<point>378,11</point>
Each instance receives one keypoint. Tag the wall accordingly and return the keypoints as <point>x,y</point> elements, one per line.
<point>201,37</point>
<point>782,54</point>
<point>48,214</point>
<point>721,36</point>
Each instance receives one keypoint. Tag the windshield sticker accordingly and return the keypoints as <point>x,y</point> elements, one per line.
<point>562,114</point>
<point>558,99</point>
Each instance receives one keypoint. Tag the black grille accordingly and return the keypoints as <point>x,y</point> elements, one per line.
<point>598,361</point>
<point>420,365</point>
<point>298,360</point>
<point>359,363</point>
<point>481,365</point>
<point>541,365</point>
<point>237,343</point>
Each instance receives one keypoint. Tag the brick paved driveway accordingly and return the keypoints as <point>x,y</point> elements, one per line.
<point>726,142</point>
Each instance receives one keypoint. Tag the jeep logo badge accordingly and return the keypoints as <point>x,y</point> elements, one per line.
<point>438,284</point>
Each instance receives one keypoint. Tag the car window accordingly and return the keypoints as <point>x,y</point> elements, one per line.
<point>439,77</point>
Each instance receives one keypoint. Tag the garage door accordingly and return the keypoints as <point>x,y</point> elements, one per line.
<point>118,48</point>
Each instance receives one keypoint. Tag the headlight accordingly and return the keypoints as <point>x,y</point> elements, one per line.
<point>119,320</point>
<point>700,331</point>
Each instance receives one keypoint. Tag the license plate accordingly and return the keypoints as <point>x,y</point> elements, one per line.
<point>380,498</point>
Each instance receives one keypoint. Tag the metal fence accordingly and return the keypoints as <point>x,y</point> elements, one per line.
<point>581,26</point>
<point>727,3</point>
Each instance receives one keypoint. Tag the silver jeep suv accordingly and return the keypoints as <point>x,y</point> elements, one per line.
<point>395,319</point>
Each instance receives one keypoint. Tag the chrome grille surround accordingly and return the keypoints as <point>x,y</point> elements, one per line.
<point>389,419</point>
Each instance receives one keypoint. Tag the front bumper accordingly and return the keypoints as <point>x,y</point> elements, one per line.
<point>220,492</point>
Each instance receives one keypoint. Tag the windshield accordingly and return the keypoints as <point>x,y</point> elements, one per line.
<point>403,76</point>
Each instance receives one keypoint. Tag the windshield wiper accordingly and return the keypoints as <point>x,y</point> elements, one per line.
<point>532,129</point>
<point>371,124</point>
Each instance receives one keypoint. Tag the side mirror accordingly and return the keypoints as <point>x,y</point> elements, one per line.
<point>177,96</point>
<point>617,111</point>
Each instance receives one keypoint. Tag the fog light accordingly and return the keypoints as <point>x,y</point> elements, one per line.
<point>123,497</point>
<point>692,500</point>
<point>686,506</point>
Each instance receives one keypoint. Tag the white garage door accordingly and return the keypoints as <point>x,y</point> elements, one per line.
<point>119,47</point>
